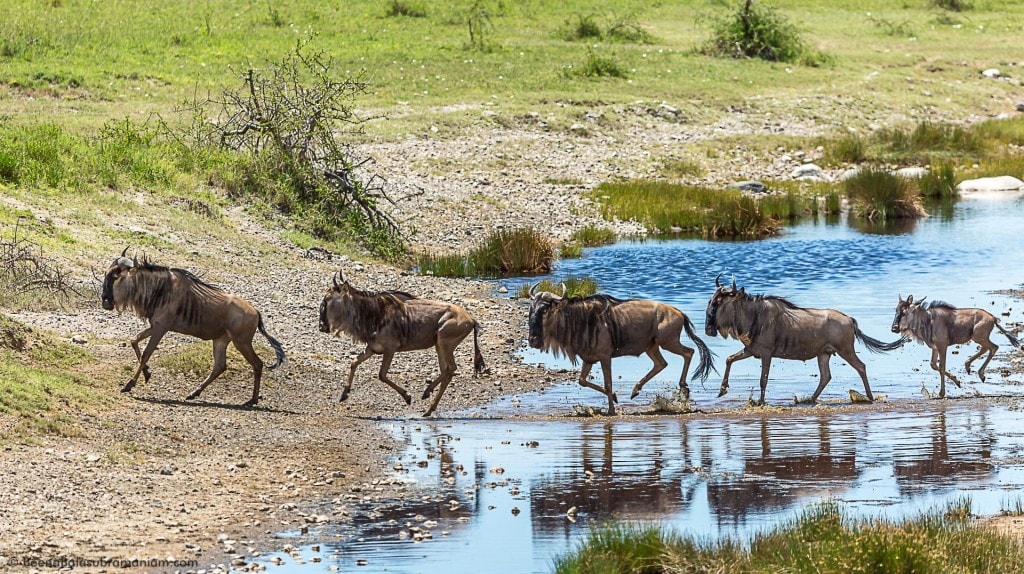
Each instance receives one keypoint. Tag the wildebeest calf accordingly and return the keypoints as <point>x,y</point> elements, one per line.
<point>940,325</point>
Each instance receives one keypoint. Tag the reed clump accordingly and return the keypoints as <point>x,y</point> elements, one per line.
<point>505,252</point>
<point>877,194</point>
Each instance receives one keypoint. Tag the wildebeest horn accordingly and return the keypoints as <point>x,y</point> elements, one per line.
<point>125,252</point>
<point>335,279</point>
<point>718,280</point>
<point>733,282</point>
<point>341,275</point>
<point>533,289</point>
<point>564,290</point>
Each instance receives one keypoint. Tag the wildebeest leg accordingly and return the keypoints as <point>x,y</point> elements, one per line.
<point>674,346</point>
<point>986,343</point>
<point>257,369</point>
<point>585,372</point>
<point>138,357</point>
<point>220,363</point>
<point>939,364</point>
<point>766,365</point>
<point>737,356</point>
<point>154,340</point>
<point>825,375</point>
<point>446,360</point>
<point>606,368</point>
<point>858,365</point>
<point>445,363</point>
<point>385,365</point>
<point>659,365</point>
<point>366,354</point>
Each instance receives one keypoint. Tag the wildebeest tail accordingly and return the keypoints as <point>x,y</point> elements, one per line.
<point>706,364</point>
<point>478,359</point>
<point>1013,340</point>
<point>876,346</point>
<point>278,349</point>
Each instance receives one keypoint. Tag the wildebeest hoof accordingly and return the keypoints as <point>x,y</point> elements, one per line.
<point>408,400</point>
<point>251,402</point>
<point>425,396</point>
<point>723,391</point>
<point>615,398</point>
<point>128,386</point>
<point>192,397</point>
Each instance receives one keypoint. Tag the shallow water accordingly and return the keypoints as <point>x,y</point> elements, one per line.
<point>496,493</point>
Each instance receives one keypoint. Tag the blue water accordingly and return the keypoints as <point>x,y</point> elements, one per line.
<point>495,493</point>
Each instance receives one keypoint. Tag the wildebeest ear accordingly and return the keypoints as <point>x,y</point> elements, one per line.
<point>742,291</point>
<point>910,298</point>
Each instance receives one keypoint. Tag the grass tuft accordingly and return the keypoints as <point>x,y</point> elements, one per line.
<point>878,194</point>
<point>757,30</point>
<point>503,253</point>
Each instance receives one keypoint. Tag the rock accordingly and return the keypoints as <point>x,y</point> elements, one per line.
<point>809,172</point>
<point>1000,183</point>
<point>502,289</point>
<point>749,186</point>
<point>79,340</point>
<point>1020,107</point>
<point>991,73</point>
<point>849,173</point>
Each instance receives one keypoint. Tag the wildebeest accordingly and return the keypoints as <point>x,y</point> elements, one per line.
<point>597,328</point>
<point>939,325</point>
<point>771,326</point>
<point>389,322</point>
<point>176,300</point>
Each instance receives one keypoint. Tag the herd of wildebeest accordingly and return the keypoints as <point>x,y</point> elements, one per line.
<point>592,329</point>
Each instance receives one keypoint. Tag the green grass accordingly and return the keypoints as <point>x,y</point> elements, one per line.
<point>879,195</point>
<point>822,539</point>
<point>939,182</point>
<point>503,253</point>
<point>43,385</point>
<point>592,236</point>
<point>710,212</point>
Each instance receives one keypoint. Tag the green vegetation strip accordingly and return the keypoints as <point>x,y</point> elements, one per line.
<point>823,540</point>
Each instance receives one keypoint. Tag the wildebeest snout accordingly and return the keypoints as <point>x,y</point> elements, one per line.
<point>108,304</point>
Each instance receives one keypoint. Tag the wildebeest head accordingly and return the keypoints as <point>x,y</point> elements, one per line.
<point>117,271</point>
<point>722,294</point>
<point>541,303</point>
<point>333,292</point>
<point>904,309</point>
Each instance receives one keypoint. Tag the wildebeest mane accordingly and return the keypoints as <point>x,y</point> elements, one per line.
<point>369,312</point>
<point>936,304</point>
<point>768,309</point>
<point>152,289</point>
<point>574,324</point>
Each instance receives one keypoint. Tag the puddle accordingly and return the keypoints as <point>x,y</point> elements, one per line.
<point>494,494</point>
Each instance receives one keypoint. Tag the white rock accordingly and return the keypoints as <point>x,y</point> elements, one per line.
<point>809,171</point>
<point>991,73</point>
<point>999,183</point>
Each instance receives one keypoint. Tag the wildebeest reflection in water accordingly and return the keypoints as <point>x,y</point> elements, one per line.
<point>599,486</point>
<point>776,477</point>
<point>935,464</point>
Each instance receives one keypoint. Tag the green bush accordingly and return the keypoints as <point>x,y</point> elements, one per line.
<point>756,30</point>
<point>597,66</point>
